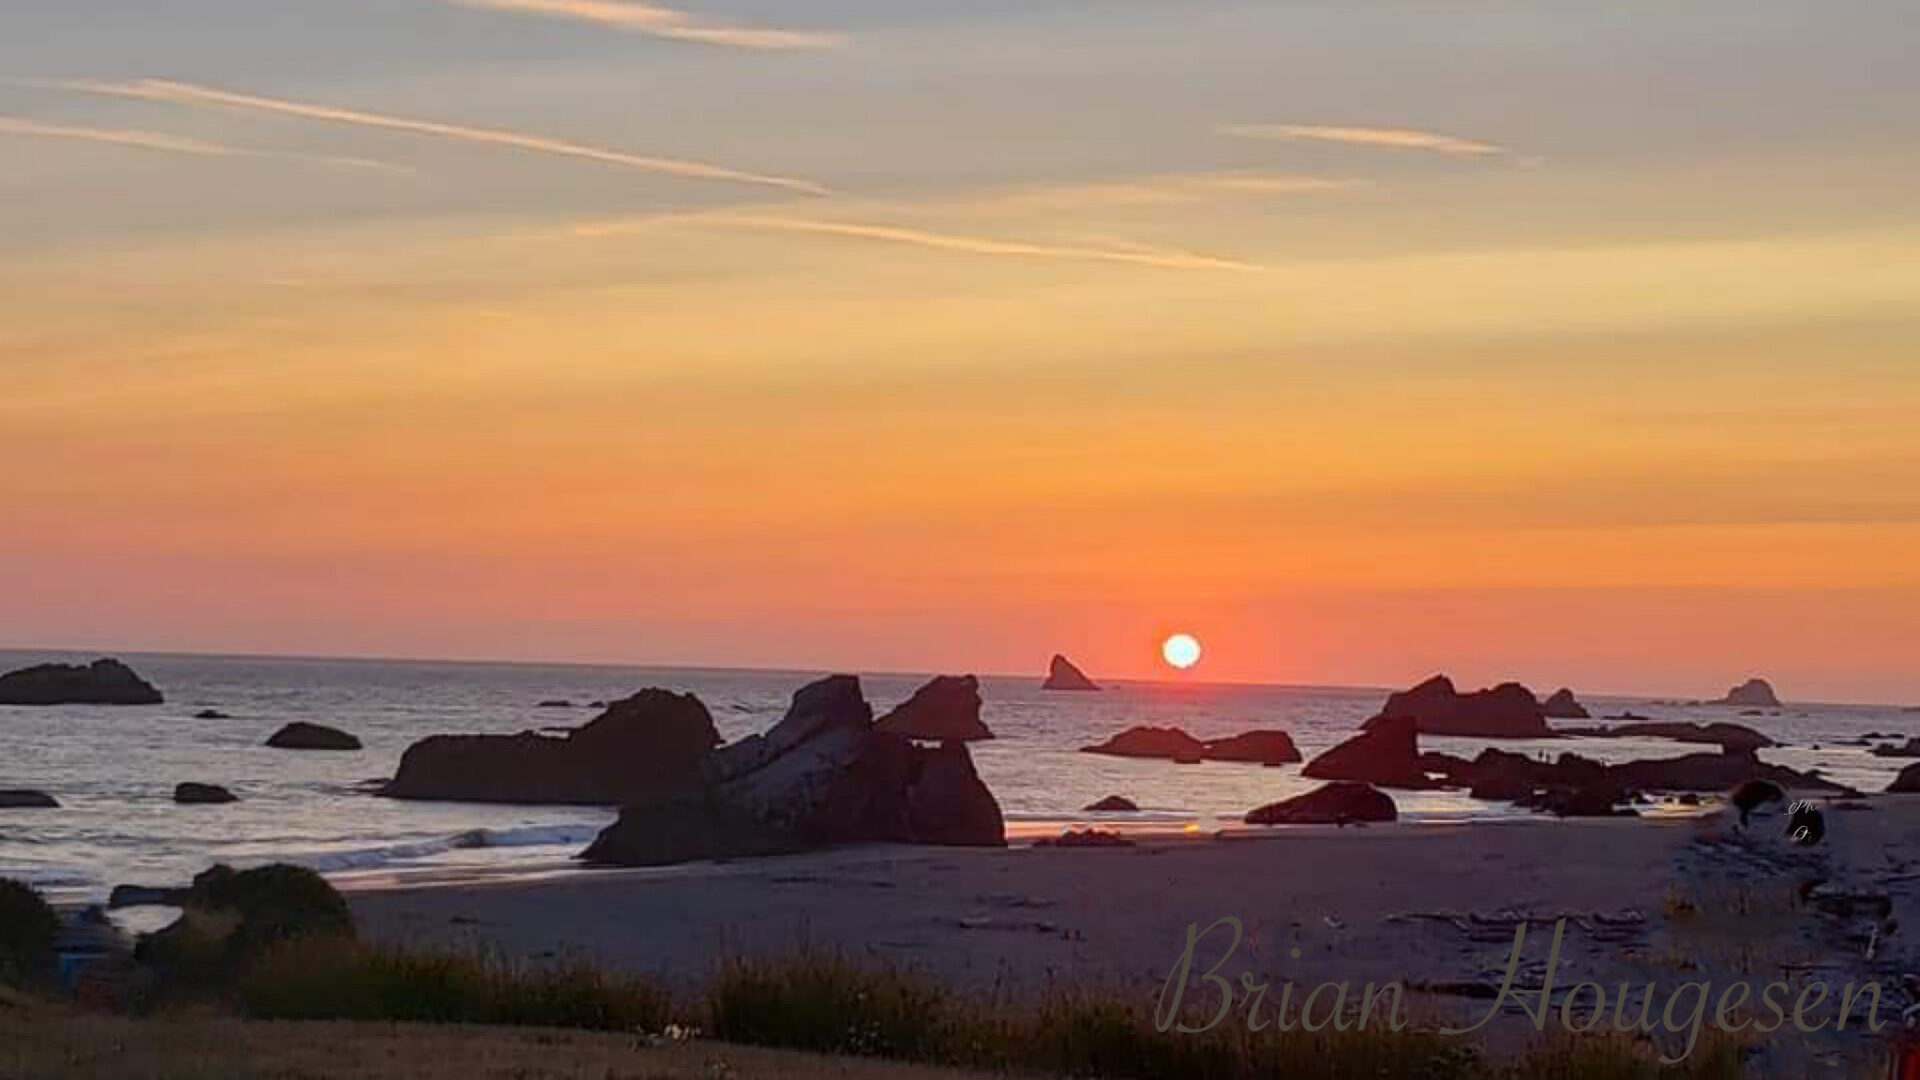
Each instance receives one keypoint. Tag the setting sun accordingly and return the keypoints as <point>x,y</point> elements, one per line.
<point>1181,650</point>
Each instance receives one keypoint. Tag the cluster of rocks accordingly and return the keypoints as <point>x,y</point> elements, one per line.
<point>826,774</point>
<point>1173,744</point>
<point>1507,711</point>
<point>1387,754</point>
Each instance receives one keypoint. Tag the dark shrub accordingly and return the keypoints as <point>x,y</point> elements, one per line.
<point>230,919</point>
<point>29,930</point>
<point>822,1002</point>
<point>320,979</point>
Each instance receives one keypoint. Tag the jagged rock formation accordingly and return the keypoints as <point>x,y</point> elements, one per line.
<point>1062,675</point>
<point>825,774</point>
<point>1754,693</point>
<point>1507,711</point>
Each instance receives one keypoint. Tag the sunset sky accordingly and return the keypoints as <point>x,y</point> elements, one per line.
<point>1573,342</point>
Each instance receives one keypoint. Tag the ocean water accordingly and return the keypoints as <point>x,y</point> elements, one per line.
<point>114,769</point>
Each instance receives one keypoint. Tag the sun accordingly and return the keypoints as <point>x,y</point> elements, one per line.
<point>1181,650</point>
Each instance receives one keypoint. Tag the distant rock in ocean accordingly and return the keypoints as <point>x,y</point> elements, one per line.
<point>825,774</point>
<point>301,735</point>
<point>1507,711</point>
<point>1718,734</point>
<point>103,682</point>
<point>202,795</point>
<point>1499,774</point>
<point>1173,744</point>
<point>1754,693</point>
<point>1339,803</point>
<point>1910,749</point>
<point>1062,675</point>
<point>27,800</point>
<point>1562,705</point>
<point>645,748</point>
<point>1112,804</point>
<point>211,714</point>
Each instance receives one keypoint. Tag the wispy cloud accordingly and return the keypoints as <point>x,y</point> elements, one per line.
<point>1166,189</point>
<point>175,144</point>
<point>191,95</point>
<point>662,22</point>
<point>1391,138</point>
<point>1116,252</point>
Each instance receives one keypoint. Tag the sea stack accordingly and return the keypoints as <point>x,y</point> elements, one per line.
<point>1063,675</point>
<point>826,774</point>
<point>1507,711</point>
<point>1562,705</point>
<point>1753,694</point>
<point>103,682</point>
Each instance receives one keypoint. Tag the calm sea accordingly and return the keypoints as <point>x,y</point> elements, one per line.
<point>113,769</point>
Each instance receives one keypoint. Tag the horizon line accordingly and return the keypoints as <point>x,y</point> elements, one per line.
<point>780,669</point>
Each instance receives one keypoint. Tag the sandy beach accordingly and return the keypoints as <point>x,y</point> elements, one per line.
<point>1435,907</point>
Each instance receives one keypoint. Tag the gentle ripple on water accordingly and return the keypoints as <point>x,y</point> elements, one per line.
<point>113,769</point>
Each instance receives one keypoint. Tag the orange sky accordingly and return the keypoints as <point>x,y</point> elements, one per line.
<point>427,365</point>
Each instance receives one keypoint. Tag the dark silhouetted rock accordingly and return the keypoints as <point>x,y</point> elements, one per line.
<point>190,794</point>
<point>1062,675</point>
<point>1728,736</point>
<point>1501,787</point>
<point>1562,705</point>
<point>1601,799</point>
<point>1751,795</point>
<point>103,682</point>
<point>1113,804</point>
<point>1151,742</point>
<point>1499,771</point>
<point>1263,747</point>
<point>301,735</point>
<point>1910,749</point>
<point>1386,753</point>
<point>211,714</point>
<point>1907,783</point>
<point>645,748</point>
<point>825,774</point>
<point>1173,744</point>
<point>1339,803</point>
<point>1507,711</point>
<point>1085,838</point>
<point>1757,693</point>
<point>27,800</point>
<point>125,896</point>
<point>555,703</point>
<point>946,709</point>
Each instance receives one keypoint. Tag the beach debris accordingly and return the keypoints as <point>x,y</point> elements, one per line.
<point>1085,838</point>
